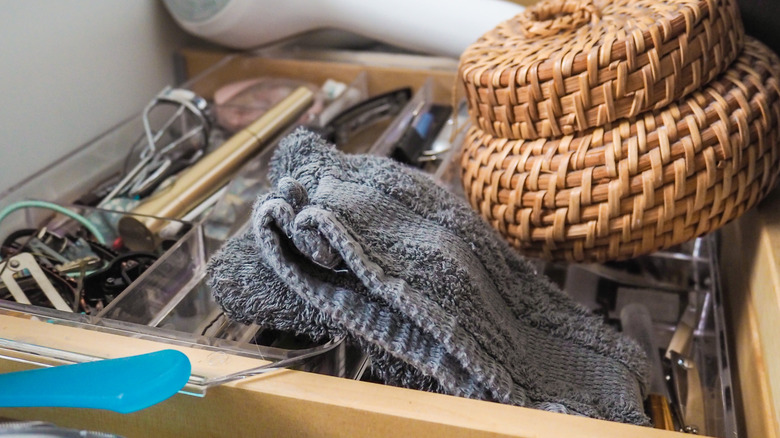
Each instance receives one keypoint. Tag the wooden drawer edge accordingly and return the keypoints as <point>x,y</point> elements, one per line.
<point>380,78</point>
<point>751,273</point>
<point>292,403</point>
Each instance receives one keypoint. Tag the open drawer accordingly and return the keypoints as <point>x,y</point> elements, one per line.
<point>298,403</point>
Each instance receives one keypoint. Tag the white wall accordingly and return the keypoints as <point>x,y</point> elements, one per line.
<point>70,70</point>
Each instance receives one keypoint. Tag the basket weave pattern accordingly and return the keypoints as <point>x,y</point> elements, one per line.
<point>640,184</point>
<point>585,63</point>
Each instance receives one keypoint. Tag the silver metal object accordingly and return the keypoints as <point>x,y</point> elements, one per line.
<point>689,394</point>
<point>155,162</point>
<point>25,263</point>
<point>36,245</point>
<point>88,262</point>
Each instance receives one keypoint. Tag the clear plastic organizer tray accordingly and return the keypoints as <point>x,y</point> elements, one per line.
<point>170,301</point>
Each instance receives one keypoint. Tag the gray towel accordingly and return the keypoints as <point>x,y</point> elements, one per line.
<point>363,246</point>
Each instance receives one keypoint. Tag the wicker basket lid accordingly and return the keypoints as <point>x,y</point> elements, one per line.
<point>564,66</point>
<point>640,185</point>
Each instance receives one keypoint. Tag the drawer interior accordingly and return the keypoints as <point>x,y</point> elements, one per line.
<point>305,402</point>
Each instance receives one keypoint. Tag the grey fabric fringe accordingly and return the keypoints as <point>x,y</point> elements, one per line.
<point>363,246</point>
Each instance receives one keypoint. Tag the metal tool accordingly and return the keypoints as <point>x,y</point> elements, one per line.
<point>24,264</point>
<point>88,262</point>
<point>688,391</point>
<point>343,125</point>
<point>156,163</point>
<point>208,175</point>
<point>689,394</point>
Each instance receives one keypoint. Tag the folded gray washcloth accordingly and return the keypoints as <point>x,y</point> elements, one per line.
<point>363,246</point>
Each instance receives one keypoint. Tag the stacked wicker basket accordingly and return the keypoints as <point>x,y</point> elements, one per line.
<point>607,129</point>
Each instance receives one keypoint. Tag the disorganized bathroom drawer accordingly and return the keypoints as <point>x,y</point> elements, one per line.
<point>148,316</point>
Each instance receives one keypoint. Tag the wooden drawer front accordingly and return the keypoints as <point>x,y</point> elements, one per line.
<point>751,272</point>
<point>292,403</point>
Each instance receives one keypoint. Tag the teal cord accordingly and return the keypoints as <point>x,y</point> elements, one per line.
<point>59,209</point>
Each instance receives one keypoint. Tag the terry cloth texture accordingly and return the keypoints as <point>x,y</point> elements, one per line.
<point>363,246</point>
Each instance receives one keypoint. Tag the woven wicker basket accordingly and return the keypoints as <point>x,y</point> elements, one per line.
<point>565,66</point>
<point>640,184</point>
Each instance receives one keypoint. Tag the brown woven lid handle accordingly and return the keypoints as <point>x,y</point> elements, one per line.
<point>549,17</point>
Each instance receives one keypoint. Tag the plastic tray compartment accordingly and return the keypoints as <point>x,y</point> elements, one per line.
<point>170,302</point>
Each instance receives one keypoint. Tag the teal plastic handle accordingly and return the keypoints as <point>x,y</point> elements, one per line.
<point>122,385</point>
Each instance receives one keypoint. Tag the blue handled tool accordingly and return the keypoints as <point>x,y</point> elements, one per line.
<point>122,385</point>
